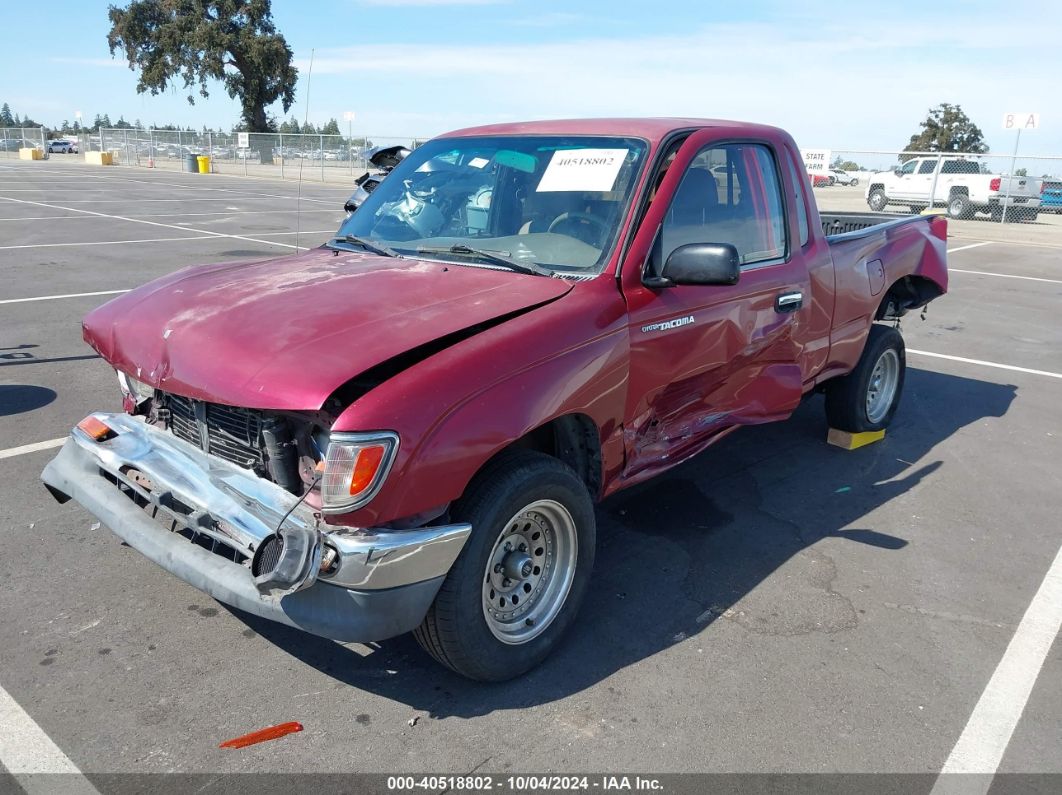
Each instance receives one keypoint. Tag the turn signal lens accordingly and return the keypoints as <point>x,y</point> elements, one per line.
<point>365,468</point>
<point>96,429</point>
<point>355,468</point>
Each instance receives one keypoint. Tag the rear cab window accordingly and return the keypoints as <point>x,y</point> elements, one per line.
<point>960,167</point>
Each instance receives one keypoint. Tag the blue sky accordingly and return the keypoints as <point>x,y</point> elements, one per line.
<point>840,75</point>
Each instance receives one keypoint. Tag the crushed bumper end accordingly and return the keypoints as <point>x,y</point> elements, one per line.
<point>95,475</point>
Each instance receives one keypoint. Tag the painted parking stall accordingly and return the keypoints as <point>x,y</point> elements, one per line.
<point>775,575</point>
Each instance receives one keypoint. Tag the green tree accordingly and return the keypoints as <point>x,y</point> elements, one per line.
<point>196,41</point>
<point>6,119</point>
<point>947,129</point>
<point>1021,172</point>
<point>332,128</point>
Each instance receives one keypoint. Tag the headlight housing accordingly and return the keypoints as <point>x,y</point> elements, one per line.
<point>356,466</point>
<point>137,390</point>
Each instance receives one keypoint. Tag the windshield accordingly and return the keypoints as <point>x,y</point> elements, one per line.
<point>529,203</point>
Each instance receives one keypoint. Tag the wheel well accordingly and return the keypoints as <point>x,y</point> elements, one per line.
<point>910,292</point>
<point>960,191</point>
<point>877,186</point>
<point>572,438</point>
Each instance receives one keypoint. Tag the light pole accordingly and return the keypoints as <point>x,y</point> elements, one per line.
<point>349,116</point>
<point>80,136</point>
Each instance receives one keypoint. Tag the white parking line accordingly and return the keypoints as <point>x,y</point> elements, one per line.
<point>985,738</point>
<point>983,363</point>
<point>26,751</point>
<point>57,297</point>
<point>307,210</point>
<point>149,223</point>
<point>112,242</point>
<point>972,245</point>
<point>244,191</point>
<point>11,452</point>
<point>1005,276</point>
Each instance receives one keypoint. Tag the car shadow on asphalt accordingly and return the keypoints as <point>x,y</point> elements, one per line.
<point>680,552</point>
<point>20,398</point>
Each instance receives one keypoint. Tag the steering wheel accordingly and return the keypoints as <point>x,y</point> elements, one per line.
<point>581,221</point>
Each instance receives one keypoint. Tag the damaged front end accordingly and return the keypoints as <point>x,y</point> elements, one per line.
<point>232,501</point>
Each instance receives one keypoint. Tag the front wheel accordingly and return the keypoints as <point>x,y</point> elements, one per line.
<point>877,200</point>
<point>866,399</point>
<point>854,182</point>
<point>518,583</point>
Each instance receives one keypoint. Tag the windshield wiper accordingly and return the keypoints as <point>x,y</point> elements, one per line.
<point>460,249</point>
<point>368,245</point>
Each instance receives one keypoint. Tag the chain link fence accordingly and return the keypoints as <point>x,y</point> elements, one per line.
<point>976,188</point>
<point>14,138</point>
<point>285,155</point>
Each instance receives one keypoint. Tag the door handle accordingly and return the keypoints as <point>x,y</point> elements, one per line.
<point>789,302</point>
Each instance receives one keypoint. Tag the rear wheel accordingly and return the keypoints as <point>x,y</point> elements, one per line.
<point>1015,214</point>
<point>517,585</point>
<point>877,200</point>
<point>854,182</point>
<point>866,399</point>
<point>959,206</point>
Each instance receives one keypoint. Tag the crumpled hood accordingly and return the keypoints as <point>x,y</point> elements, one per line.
<point>286,333</point>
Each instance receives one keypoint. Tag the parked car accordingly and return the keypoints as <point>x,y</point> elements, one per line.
<point>62,147</point>
<point>843,177</point>
<point>383,159</point>
<point>14,144</point>
<point>960,187</point>
<point>408,428</point>
<point>1051,195</point>
<point>820,180</point>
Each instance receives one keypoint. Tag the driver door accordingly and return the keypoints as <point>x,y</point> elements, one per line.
<point>707,358</point>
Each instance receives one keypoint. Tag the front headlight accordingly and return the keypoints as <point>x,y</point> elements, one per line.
<point>137,390</point>
<point>356,465</point>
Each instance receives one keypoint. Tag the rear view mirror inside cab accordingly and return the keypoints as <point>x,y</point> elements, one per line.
<point>521,161</point>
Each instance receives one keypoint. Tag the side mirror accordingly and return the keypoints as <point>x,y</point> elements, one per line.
<point>699,263</point>
<point>898,171</point>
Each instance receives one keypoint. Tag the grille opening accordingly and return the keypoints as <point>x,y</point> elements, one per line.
<point>232,433</point>
<point>175,516</point>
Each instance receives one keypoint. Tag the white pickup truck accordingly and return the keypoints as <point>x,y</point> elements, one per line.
<point>960,187</point>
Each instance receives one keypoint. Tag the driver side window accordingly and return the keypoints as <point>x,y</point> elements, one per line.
<point>730,193</point>
<point>909,167</point>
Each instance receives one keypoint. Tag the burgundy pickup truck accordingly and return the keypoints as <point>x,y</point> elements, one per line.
<point>407,428</point>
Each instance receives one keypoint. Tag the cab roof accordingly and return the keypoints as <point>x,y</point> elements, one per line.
<point>653,130</point>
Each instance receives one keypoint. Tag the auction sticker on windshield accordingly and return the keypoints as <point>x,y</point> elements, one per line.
<point>582,170</point>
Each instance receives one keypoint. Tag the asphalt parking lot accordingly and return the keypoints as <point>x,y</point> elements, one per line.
<point>776,605</point>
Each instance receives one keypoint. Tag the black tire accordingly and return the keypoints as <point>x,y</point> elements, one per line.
<point>847,397</point>
<point>959,206</point>
<point>854,183</point>
<point>455,630</point>
<point>877,200</point>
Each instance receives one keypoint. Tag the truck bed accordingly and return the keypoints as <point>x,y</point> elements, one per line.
<point>846,225</point>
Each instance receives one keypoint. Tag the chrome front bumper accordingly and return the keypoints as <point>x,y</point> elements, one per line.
<point>383,585</point>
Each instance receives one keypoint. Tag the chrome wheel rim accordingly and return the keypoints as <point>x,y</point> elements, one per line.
<point>530,572</point>
<point>882,388</point>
